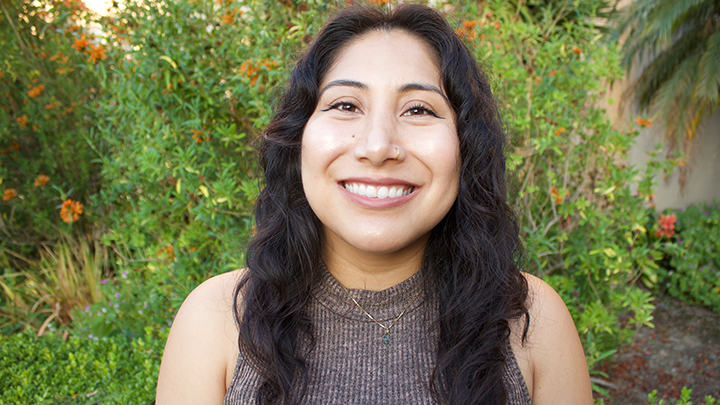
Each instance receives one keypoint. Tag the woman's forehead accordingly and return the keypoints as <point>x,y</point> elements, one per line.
<point>384,57</point>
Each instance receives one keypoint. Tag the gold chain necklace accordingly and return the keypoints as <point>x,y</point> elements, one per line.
<point>386,337</point>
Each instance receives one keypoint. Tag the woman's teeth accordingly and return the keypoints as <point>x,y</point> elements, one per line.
<point>381,192</point>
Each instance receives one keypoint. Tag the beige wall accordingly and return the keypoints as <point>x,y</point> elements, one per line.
<point>703,180</point>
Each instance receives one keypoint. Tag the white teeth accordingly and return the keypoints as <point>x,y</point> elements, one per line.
<point>381,192</point>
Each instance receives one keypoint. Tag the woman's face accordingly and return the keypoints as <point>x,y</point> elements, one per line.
<point>380,154</point>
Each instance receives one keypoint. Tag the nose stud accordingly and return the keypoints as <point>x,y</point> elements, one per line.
<point>397,155</point>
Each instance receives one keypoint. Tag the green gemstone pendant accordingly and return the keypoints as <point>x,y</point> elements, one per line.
<point>386,338</point>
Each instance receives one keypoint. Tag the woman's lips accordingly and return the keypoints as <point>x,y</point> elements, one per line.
<point>377,191</point>
<point>386,193</point>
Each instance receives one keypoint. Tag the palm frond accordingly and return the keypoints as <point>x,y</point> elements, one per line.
<point>707,87</point>
<point>649,38</point>
<point>668,18</point>
<point>662,67</point>
<point>676,104</point>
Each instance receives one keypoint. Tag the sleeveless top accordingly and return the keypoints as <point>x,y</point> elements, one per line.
<point>352,365</point>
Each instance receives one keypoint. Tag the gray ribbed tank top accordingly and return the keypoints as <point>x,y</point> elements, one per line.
<point>352,365</point>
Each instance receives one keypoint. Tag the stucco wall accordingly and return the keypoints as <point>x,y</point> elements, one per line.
<point>703,180</point>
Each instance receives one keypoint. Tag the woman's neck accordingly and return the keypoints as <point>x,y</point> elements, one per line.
<point>355,269</point>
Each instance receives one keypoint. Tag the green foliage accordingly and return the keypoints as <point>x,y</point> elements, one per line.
<point>50,370</point>
<point>683,400</point>
<point>187,92</point>
<point>675,45</point>
<point>584,227</point>
<point>693,272</point>
<point>47,91</point>
<point>68,276</point>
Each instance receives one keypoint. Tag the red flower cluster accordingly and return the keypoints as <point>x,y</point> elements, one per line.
<point>667,226</point>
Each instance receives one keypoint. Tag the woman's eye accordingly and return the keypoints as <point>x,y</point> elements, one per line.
<point>419,110</point>
<point>343,106</point>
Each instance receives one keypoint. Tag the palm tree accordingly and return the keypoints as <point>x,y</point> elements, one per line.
<point>675,47</point>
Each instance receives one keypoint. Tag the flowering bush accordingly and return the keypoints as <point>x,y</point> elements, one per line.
<point>48,85</point>
<point>693,261</point>
<point>187,89</point>
<point>585,228</point>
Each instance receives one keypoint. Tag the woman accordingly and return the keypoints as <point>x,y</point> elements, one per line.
<point>384,269</point>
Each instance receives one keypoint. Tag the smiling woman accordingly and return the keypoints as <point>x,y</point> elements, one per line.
<point>384,269</point>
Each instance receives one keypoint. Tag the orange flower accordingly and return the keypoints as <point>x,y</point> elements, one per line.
<point>556,195</point>
<point>41,180</point>
<point>552,73</point>
<point>71,211</point>
<point>643,122</point>
<point>380,2</point>
<point>559,131</point>
<point>577,50</point>
<point>80,43</point>
<point>9,194</point>
<point>228,18</point>
<point>97,52</point>
<point>36,90</point>
<point>22,120</point>
<point>469,24</point>
<point>168,251</point>
<point>197,135</point>
<point>250,71</point>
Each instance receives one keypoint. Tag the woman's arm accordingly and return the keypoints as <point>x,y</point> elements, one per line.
<point>201,350</point>
<point>552,353</point>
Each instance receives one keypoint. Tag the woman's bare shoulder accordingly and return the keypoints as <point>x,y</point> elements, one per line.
<point>201,349</point>
<point>551,357</point>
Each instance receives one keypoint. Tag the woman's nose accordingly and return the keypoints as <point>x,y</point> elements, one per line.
<point>377,142</point>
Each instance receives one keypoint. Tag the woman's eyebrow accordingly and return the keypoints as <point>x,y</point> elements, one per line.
<point>423,87</point>
<point>348,83</point>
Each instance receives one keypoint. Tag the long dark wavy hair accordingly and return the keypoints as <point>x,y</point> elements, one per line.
<point>471,257</point>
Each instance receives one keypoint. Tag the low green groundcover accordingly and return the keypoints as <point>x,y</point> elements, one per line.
<point>50,370</point>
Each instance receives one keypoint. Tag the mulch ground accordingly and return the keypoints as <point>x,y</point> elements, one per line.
<point>682,350</point>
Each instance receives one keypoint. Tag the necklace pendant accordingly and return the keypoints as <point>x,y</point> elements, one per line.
<point>386,338</point>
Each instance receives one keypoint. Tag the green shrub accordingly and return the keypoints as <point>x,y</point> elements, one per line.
<point>693,272</point>
<point>50,370</point>
<point>684,399</point>
<point>584,227</point>
<point>187,91</point>
<point>48,87</point>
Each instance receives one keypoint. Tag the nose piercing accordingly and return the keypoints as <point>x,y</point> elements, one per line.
<point>397,156</point>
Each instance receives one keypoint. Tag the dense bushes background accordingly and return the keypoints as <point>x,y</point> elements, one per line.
<point>153,112</point>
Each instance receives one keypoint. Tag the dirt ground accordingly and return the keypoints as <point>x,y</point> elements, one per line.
<point>682,350</point>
